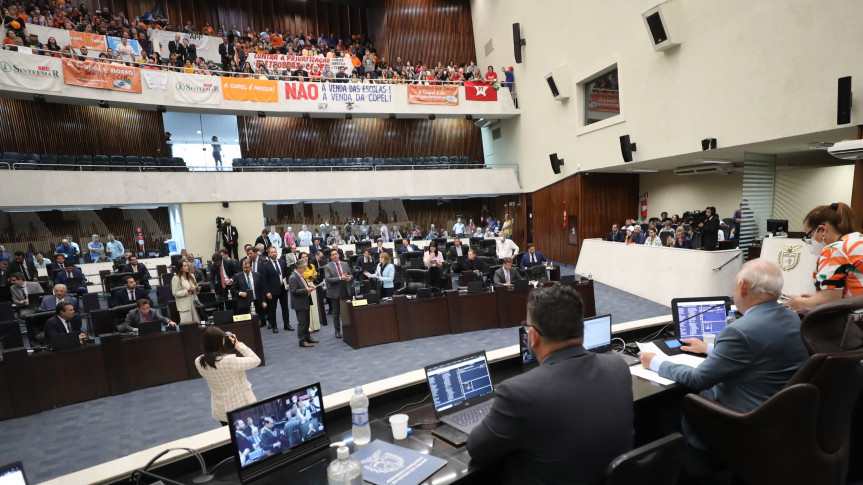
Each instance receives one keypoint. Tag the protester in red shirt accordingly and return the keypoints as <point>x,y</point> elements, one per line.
<point>490,75</point>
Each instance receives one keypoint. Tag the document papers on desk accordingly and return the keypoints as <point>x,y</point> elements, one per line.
<point>684,359</point>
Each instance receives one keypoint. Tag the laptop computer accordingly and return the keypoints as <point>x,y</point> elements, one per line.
<point>597,338</point>
<point>146,328</point>
<point>223,317</point>
<point>461,390</point>
<point>65,341</point>
<point>13,474</point>
<point>528,360</point>
<point>567,279</point>
<point>695,317</point>
<point>74,282</point>
<point>475,287</point>
<point>521,284</point>
<point>424,293</point>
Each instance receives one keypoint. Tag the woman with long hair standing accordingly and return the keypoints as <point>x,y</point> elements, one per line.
<point>225,372</point>
<point>185,290</point>
<point>830,235</point>
<point>385,273</point>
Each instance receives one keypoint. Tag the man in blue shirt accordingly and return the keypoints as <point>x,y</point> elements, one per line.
<point>114,248</point>
<point>95,247</point>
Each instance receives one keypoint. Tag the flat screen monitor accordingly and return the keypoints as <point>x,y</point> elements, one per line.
<point>277,431</point>
<point>695,317</point>
<point>777,226</point>
<point>597,333</point>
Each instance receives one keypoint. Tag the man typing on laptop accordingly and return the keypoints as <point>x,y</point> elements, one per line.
<point>143,314</point>
<point>564,421</point>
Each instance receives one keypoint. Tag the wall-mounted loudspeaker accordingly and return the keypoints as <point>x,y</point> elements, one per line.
<point>626,148</point>
<point>517,42</point>
<point>555,162</point>
<point>559,83</point>
<point>225,205</point>
<point>660,22</point>
<point>843,111</point>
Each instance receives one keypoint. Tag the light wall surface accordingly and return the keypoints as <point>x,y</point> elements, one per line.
<point>199,224</point>
<point>677,194</point>
<point>796,192</point>
<point>745,72</point>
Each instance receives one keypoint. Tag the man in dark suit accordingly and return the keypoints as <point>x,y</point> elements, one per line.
<point>70,271</point>
<point>62,322</point>
<point>25,266</point>
<point>532,257</point>
<point>130,293</point>
<point>191,51</point>
<point>507,274</point>
<point>544,432</point>
<point>143,313</point>
<point>230,236</point>
<point>616,235</point>
<point>710,230</point>
<point>472,263</point>
<point>4,273</point>
<point>176,47</point>
<point>407,247</point>
<point>139,271</point>
<point>337,274</point>
<point>57,266</point>
<point>226,51</point>
<point>458,249</point>
<point>244,443</point>
<point>244,283</point>
<point>219,274</point>
<point>254,259</point>
<point>366,258</point>
<point>316,246</point>
<point>264,240</point>
<point>301,299</point>
<point>49,303</point>
<point>274,283</point>
<point>750,360</point>
<point>377,250</point>
<point>335,247</point>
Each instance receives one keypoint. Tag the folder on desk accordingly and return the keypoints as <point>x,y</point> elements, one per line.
<point>383,461</point>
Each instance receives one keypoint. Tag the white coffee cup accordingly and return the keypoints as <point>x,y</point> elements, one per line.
<point>399,424</point>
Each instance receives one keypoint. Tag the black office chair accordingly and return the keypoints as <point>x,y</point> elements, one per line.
<point>362,246</point>
<point>656,463</point>
<point>35,325</point>
<point>489,247</point>
<point>538,273</point>
<point>414,280</point>
<point>10,335</point>
<point>90,302</point>
<point>118,314</point>
<point>210,303</point>
<point>114,281</point>
<point>101,322</point>
<point>164,295</point>
<point>405,258</point>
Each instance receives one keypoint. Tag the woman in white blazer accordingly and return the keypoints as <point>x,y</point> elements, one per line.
<point>225,373</point>
<point>185,290</point>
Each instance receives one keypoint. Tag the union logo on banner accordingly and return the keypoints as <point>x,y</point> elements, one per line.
<point>479,91</point>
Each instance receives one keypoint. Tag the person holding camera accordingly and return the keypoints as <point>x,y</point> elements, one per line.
<point>710,229</point>
<point>225,372</point>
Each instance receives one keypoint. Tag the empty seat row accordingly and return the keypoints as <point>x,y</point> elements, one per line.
<point>102,163</point>
<point>351,164</point>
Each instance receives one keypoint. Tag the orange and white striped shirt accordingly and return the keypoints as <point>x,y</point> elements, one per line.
<point>840,266</point>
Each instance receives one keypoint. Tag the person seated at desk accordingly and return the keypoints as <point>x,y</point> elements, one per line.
<point>457,250</point>
<point>750,361</point>
<point>130,293</point>
<point>379,249</point>
<point>544,432</point>
<point>143,313</point>
<point>433,258</point>
<point>49,303</point>
<point>407,247</point>
<point>23,294</point>
<point>471,263</point>
<point>137,269</point>
<point>70,271</point>
<point>316,245</point>
<point>532,257</point>
<point>506,275</point>
<point>62,322</point>
<point>682,240</point>
<point>616,234</point>
<point>366,258</point>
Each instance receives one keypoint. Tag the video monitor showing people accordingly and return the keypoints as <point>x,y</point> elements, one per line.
<point>278,425</point>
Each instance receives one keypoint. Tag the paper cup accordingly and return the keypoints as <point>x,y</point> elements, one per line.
<point>399,424</point>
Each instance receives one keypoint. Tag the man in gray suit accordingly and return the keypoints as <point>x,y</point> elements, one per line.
<point>507,274</point>
<point>546,423</point>
<point>337,274</point>
<point>301,300</point>
<point>25,294</point>
<point>143,313</point>
<point>751,359</point>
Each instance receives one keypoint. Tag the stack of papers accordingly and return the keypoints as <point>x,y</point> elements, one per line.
<point>683,359</point>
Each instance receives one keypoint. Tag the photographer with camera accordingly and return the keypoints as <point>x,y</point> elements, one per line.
<point>225,372</point>
<point>709,229</point>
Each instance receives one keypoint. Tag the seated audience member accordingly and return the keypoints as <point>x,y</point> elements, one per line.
<point>69,271</point>
<point>532,257</point>
<point>316,245</point>
<point>507,274</point>
<point>682,240</point>
<point>60,295</point>
<point>68,250</point>
<point>637,235</point>
<point>143,313</point>
<point>25,294</point>
<point>130,293</point>
<point>4,273</point>
<point>543,432</point>
<point>41,262</point>
<point>103,258</point>
<point>433,257</point>
<point>616,234</point>
<point>652,239</point>
<point>62,322</point>
<point>379,249</point>
<point>4,256</point>
<point>366,258</point>
<point>407,247</point>
<point>136,268</point>
<point>25,266</point>
<point>471,263</point>
<point>750,361</point>
<point>506,248</point>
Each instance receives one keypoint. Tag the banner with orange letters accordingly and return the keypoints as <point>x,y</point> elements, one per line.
<point>433,94</point>
<point>100,75</point>
<point>91,41</point>
<point>260,90</point>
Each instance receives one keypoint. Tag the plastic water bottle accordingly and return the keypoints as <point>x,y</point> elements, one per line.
<point>730,318</point>
<point>344,470</point>
<point>360,430</point>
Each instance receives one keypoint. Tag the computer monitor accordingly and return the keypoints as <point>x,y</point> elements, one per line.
<point>456,381</point>
<point>528,359</point>
<point>13,474</point>
<point>695,317</point>
<point>777,226</point>
<point>290,427</point>
<point>597,333</point>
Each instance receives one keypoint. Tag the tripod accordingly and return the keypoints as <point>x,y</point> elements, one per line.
<point>218,236</point>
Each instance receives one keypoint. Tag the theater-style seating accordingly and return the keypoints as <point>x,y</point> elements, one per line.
<point>351,164</point>
<point>87,163</point>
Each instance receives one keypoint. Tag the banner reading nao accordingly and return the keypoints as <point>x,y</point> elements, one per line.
<point>90,74</point>
<point>282,62</point>
<point>337,97</point>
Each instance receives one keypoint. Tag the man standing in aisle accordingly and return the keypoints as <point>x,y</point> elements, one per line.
<point>114,248</point>
<point>301,300</point>
<point>230,238</point>
<point>274,282</point>
<point>338,275</point>
<point>458,228</point>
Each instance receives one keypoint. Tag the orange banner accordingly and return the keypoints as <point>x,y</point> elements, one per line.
<point>239,89</point>
<point>603,100</point>
<point>91,41</point>
<point>101,75</point>
<point>420,94</point>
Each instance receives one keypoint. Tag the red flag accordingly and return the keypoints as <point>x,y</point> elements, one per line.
<point>479,91</point>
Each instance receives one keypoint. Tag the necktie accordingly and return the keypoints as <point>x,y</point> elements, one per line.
<point>145,317</point>
<point>224,276</point>
<point>248,281</point>
<point>255,266</point>
<point>339,268</point>
<point>69,275</point>
<point>131,296</point>
<point>278,270</point>
<point>135,268</point>
<point>26,273</point>
<point>532,258</point>
<point>507,275</point>
<point>65,325</point>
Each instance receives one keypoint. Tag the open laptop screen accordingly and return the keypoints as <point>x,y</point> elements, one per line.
<point>457,380</point>
<point>694,317</point>
<point>597,333</point>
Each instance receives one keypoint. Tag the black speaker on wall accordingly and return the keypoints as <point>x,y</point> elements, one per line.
<point>225,205</point>
<point>555,162</point>
<point>843,111</point>
<point>517,42</point>
<point>626,148</point>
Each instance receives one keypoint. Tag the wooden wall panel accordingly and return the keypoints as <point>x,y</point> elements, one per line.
<point>361,137</point>
<point>79,130</point>
<point>598,200</point>
<point>428,31</point>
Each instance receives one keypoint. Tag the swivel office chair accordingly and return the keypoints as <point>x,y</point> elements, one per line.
<point>414,280</point>
<point>825,328</point>
<point>657,463</point>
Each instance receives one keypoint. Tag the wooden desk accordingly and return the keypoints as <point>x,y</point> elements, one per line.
<point>472,311</point>
<point>511,305</point>
<point>66,377</point>
<point>368,325</point>
<point>585,291</point>
<point>421,317</point>
<point>134,363</point>
<point>248,332</point>
<point>6,409</point>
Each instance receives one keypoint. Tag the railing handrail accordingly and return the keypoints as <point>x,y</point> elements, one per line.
<point>261,168</point>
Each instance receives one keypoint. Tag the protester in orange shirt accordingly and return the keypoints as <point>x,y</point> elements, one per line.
<point>207,30</point>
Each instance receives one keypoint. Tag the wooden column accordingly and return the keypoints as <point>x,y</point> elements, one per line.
<point>857,188</point>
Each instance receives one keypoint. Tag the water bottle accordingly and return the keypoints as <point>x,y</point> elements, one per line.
<point>360,430</point>
<point>730,318</point>
<point>344,470</point>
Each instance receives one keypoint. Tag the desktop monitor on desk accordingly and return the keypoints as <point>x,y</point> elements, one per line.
<point>695,318</point>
